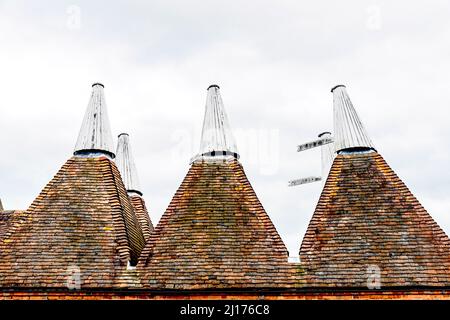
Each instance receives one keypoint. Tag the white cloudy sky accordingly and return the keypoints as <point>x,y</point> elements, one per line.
<point>275,62</point>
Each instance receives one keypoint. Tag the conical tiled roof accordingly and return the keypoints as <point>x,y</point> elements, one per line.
<point>125,163</point>
<point>215,233</point>
<point>368,224</point>
<point>95,133</point>
<point>82,220</point>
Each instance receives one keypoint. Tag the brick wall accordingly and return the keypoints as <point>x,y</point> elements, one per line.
<point>123,295</point>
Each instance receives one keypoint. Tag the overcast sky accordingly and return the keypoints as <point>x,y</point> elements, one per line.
<point>275,62</point>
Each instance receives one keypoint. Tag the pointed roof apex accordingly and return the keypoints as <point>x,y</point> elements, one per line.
<point>95,136</point>
<point>125,164</point>
<point>217,138</point>
<point>349,132</point>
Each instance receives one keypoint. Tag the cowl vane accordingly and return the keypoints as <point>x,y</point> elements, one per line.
<point>327,154</point>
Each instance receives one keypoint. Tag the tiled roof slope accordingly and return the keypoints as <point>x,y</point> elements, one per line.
<point>82,218</point>
<point>7,219</point>
<point>367,217</point>
<point>142,216</point>
<point>215,234</point>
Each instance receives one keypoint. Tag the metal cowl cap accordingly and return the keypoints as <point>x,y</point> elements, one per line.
<point>125,163</point>
<point>95,134</point>
<point>349,132</point>
<point>217,138</point>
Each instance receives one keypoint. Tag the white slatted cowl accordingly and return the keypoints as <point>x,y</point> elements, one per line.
<point>349,132</point>
<point>95,136</point>
<point>217,138</point>
<point>125,163</point>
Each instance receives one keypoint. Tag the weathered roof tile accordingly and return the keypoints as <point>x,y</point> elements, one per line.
<point>366,217</point>
<point>82,219</point>
<point>7,220</point>
<point>215,234</point>
<point>142,215</point>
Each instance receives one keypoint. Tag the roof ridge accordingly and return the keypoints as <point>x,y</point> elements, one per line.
<point>161,225</point>
<point>265,219</point>
<point>124,245</point>
<point>26,214</point>
<point>135,237</point>
<point>330,183</point>
<point>403,188</point>
<point>142,215</point>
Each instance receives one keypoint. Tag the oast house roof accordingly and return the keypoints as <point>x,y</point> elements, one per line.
<point>367,223</point>
<point>215,234</point>
<point>82,220</point>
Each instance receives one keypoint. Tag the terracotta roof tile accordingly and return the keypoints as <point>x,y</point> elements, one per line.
<point>82,218</point>
<point>7,220</point>
<point>142,216</point>
<point>367,217</point>
<point>215,234</point>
